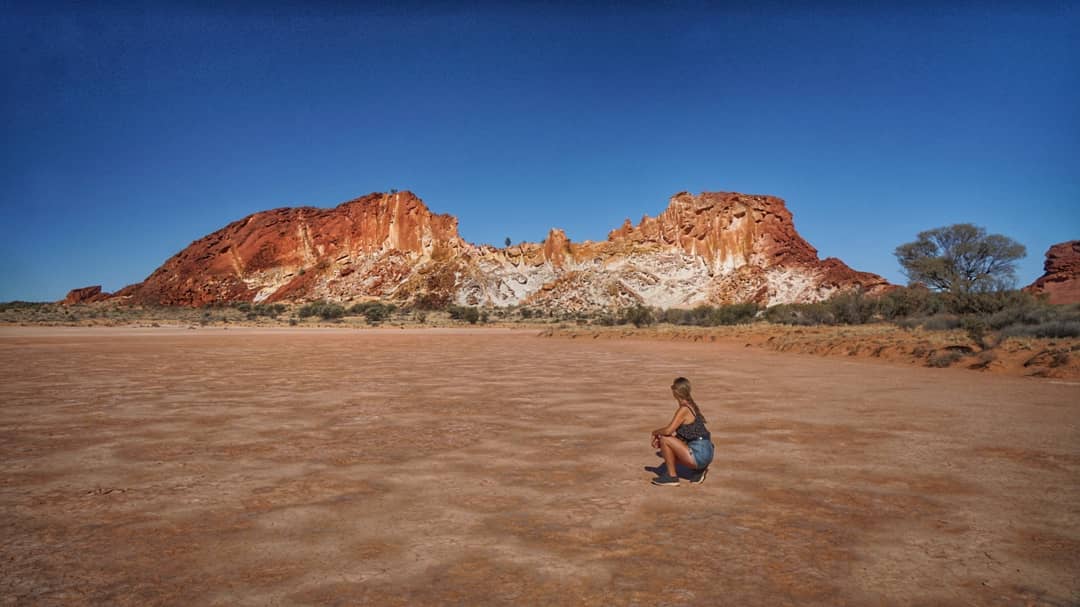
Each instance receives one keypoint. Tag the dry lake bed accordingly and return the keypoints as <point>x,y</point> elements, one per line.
<point>485,467</point>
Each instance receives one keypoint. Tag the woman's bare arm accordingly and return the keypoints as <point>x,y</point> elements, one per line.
<point>676,421</point>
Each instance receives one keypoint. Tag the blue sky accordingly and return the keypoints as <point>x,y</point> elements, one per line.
<point>129,132</point>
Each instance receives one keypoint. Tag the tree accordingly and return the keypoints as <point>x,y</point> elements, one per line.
<point>507,241</point>
<point>961,259</point>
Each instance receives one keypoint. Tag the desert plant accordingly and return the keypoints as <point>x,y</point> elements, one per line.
<point>961,259</point>
<point>942,322</point>
<point>976,329</point>
<point>733,314</point>
<point>944,359</point>
<point>466,313</point>
<point>374,311</point>
<point>1056,329</point>
<point>323,309</point>
<point>906,302</point>
<point>800,314</point>
<point>472,315</point>
<point>639,315</point>
<point>852,308</point>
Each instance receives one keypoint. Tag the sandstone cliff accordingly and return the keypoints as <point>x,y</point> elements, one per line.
<point>1061,277</point>
<point>86,295</point>
<point>720,247</point>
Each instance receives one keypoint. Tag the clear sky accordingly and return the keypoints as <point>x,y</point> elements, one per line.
<point>129,132</point>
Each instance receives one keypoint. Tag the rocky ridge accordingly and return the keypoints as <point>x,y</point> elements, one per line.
<point>1061,274</point>
<point>714,247</point>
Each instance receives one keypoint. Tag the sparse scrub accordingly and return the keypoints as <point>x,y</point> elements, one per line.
<point>1056,329</point>
<point>907,302</point>
<point>466,313</point>
<point>852,308</point>
<point>374,311</point>
<point>942,322</point>
<point>800,314</point>
<point>944,359</point>
<point>323,309</point>
<point>976,328</point>
<point>639,315</point>
<point>710,316</point>
<point>22,305</point>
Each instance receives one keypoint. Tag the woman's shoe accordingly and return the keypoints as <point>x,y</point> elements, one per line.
<point>666,481</point>
<point>700,477</point>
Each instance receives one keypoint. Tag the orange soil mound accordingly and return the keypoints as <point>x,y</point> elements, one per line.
<point>1057,358</point>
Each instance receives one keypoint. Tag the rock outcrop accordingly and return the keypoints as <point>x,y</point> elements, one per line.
<point>713,248</point>
<point>85,295</point>
<point>1061,274</point>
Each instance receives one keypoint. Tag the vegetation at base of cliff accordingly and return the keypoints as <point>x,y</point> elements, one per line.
<point>373,311</point>
<point>255,311</point>
<point>469,314</point>
<point>323,309</point>
<point>987,318</point>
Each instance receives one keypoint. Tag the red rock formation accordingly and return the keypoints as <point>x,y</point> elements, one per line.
<point>85,295</point>
<point>281,254</point>
<point>710,248</point>
<point>1061,277</point>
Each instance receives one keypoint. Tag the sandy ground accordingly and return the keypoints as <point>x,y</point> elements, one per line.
<point>263,467</point>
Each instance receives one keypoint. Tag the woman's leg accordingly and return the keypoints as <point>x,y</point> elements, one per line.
<point>675,450</point>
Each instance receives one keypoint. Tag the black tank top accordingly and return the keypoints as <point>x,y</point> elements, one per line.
<point>694,430</point>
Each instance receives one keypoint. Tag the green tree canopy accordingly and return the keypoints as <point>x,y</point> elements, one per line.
<point>961,258</point>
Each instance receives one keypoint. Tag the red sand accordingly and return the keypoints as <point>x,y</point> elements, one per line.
<point>255,467</point>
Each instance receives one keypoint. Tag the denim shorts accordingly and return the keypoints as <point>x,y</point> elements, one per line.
<point>702,450</point>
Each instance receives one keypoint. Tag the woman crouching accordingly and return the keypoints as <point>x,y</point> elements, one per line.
<point>685,440</point>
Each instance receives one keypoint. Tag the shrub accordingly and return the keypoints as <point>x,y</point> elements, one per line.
<point>800,314</point>
<point>324,309</point>
<point>639,315</point>
<point>466,313</point>
<point>944,359</point>
<point>472,315</point>
<point>1056,329</point>
<point>941,322</point>
<point>851,308</point>
<point>976,330</point>
<point>22,305</point>
<point>905,302</point>
<point>432,301</point>
<point>373,311</point>
<point>254,311</point>
<point>733,314</point>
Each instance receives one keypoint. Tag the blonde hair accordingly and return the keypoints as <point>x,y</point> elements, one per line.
<point>681,388</point>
